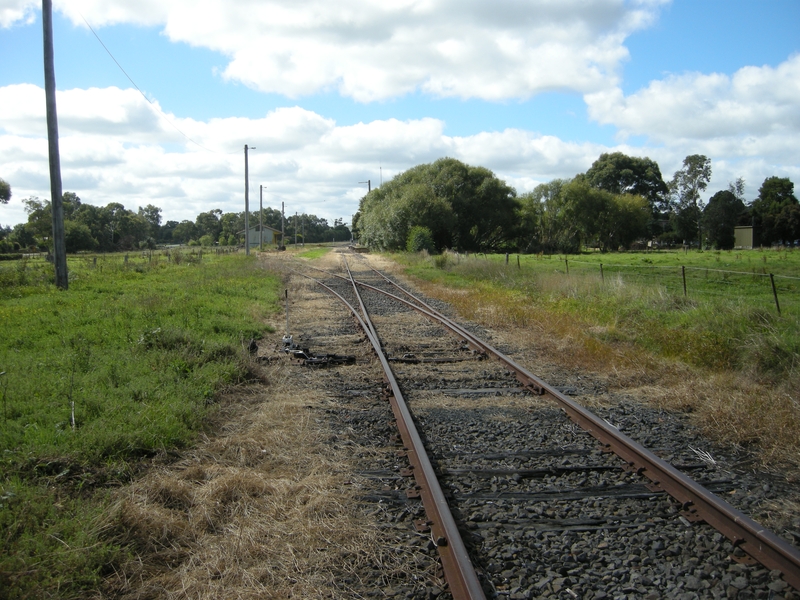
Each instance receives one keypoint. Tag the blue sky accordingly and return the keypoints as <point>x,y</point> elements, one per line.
<point>331,96</point>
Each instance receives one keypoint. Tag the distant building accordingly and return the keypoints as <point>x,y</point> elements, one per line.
<point>269,236</point>
<point>743,237</point>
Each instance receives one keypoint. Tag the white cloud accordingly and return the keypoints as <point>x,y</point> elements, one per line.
<point>116,148</point>
<point>756,111</point>
<point>747,123</point>
<point>108,111</point>
<point>13,12</point>
<point>372,50</point>
<point>113,148</point>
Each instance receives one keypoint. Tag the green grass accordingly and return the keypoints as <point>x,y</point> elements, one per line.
<point>726,320</point>
<point>315,252</point>
<point>141,349</point>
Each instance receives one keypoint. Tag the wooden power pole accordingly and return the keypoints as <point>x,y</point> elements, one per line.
<point>261,218</point>
<point>56,205</point>
<point>246,205</point>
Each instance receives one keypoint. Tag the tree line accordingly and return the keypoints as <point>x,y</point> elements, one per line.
<point>113,227</point>
<point>618,202</point>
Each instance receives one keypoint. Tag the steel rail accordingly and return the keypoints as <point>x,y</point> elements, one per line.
<point>698,503</point>
<point>458,570</point>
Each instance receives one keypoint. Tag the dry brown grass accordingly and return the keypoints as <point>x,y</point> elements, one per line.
<point>264,508</point>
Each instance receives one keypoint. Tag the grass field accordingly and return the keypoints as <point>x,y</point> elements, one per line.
<point>126,364</point>
<point>725,333</point>
<point>314,252</point>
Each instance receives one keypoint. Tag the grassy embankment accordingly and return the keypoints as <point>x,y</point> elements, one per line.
<point>722,351</point>
<point>141,350</point>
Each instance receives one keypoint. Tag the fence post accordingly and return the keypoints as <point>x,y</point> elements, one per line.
<point>775,292</point>
<point>506,257</point>
<point>518,262</point>
<point>566,262</point>
<point>602,277</point>
<point>683,274</point>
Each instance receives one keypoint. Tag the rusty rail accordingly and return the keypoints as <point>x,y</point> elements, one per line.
<point>458,569</point>
<point>698,503</point>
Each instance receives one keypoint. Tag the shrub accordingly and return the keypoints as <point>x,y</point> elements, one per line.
<point>420,238</point>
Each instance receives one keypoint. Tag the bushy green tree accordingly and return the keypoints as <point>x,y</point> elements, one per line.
<point>152,215</point>
<point>184,231</point>
<point>563,215</point>
<point>620,174</point>
<point>546,225</point>
<point>208,223</point>
<point>6,245</point>
<point>464,207</point>
<point>231,224</point>
<point>631,215</point>
<point>78,236</point>
<point>5,192</point>
<point>419,239</point>
<point>165,232</point>
<point>776,214</point>
<point>720,217</point>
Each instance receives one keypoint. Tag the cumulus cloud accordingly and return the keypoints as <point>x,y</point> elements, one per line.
<point>116,147</point>
<point>373,50</point>
<point>13,12</point>
<point>756,111</point>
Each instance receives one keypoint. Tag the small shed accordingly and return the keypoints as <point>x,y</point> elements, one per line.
<point>267,236</point>
<point>743,237</point>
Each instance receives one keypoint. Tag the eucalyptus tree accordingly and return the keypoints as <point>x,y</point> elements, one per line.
<point>685,188</point>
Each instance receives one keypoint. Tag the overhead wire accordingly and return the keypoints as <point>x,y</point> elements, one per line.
<point>150,102</point>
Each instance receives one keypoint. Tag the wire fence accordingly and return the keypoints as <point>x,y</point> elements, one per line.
<point>37,268</point>
<point>781,292</point>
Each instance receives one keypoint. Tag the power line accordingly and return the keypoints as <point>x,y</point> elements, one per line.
<point>150,102</point>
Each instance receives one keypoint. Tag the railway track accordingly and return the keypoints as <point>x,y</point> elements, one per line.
<point>525,493</point>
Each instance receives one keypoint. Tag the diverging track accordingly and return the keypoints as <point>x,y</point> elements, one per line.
<point>527,494</point>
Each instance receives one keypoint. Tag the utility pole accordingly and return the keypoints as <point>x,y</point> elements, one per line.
<point>304,230</point>
<point>283,243</point>
<point>59,247</point>
<point>260,218</point>
<point>369,185</point>
<point>246,205</point>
